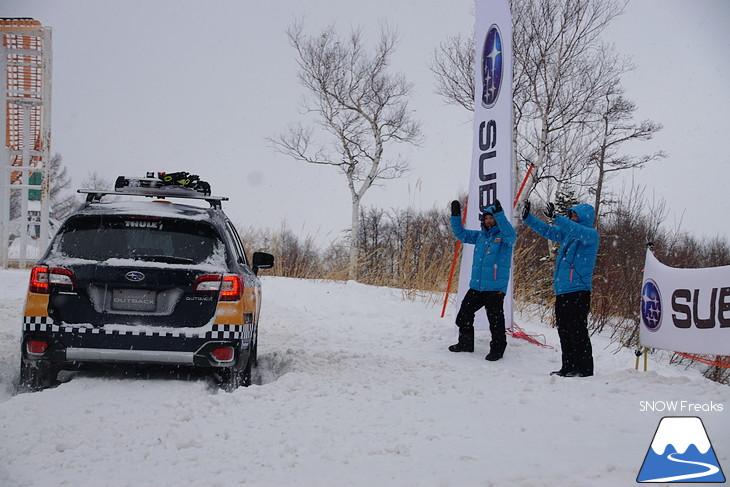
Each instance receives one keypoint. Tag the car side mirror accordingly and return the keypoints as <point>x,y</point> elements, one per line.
<point>262,260</point>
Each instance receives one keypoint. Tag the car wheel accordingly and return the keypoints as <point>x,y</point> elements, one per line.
<point>36,377</point>
<point>254,351</point>
<point>248,369</point>
<point>231,378</point>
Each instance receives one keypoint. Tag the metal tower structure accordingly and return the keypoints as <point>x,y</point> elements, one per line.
<point>25,128</point>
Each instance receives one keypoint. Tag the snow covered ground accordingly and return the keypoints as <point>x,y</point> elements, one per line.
<point>355,387</point>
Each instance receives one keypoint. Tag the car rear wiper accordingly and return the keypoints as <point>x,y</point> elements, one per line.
<point>168,259</point>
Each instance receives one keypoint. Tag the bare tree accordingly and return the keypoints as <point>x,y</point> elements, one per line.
<point>94,180</point>
<point>360,107</point>
<point>452,65</point>
<point>563,67</point>
<point>614,128</point>
<point>560,69</point>
<point>62,204</point>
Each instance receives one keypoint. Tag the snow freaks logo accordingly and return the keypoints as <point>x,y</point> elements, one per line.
<point>680,452</point>
<point>492,67</point>
<point>651,305</point>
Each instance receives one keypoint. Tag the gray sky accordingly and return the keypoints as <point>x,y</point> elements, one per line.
<point>680,50</point>
<point>143,85</point>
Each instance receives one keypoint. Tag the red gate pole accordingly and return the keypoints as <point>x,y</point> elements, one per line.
<point>524,181</point>
<point>451,276</point>
<point>453,263</point>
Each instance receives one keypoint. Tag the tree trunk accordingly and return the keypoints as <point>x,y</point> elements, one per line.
<point>599,191</point>
<point>354,232</point>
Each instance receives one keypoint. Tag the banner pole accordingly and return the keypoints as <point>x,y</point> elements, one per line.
<point>491,173</point>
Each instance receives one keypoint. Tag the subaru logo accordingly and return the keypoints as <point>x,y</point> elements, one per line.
<point>134,276</point>
<point>651,305</point>
<point>492,67</point>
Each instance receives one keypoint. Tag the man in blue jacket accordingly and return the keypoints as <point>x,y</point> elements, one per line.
<point>572,281</point>
<point>490,272</point>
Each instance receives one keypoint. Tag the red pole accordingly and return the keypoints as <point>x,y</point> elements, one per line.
<point>451,276</point>
<point>524,181</point>
<point>453,263</point>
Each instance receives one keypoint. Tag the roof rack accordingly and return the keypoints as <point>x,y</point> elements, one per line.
<point>95,195</point>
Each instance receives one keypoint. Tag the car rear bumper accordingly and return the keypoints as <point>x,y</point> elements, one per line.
<point>135,356</point>
<point>70,345</point>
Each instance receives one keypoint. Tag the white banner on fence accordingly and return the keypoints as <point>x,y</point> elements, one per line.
<point>685,310</point>
<point>491,169</point>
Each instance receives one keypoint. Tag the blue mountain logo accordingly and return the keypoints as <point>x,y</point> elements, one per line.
<point>681,452</point>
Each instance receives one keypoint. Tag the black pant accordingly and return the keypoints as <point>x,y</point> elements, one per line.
<point>493,301</point>
<point>571,317</point>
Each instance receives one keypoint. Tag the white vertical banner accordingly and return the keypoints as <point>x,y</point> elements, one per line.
<point>491,175</point>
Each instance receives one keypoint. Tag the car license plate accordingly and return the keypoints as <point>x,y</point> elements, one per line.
<point>134,300</point>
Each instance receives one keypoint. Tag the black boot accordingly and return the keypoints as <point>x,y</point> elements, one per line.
<point>496,350</point>
<point>494,355</point>
<point>461,347</point>
<point>571,373</point>
<point>466,340</point>
<point>562,373</point>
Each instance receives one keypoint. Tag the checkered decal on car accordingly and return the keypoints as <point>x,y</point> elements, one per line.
<point>216,332</point>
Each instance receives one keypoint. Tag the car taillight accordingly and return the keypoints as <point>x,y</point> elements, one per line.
<point>208,283</point>
<point>222,354</point>
<point>63,277</point>
<point>37,347</point>
<point>42,277</point>
<point>230,286</point>
<point>39,280</point>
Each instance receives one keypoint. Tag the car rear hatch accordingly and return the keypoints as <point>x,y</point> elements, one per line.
<point>134,270</point>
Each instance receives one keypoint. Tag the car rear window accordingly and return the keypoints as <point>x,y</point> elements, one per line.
<point>135,237</point>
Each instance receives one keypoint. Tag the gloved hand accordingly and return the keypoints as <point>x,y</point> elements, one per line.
<point>526,210</point>
<point>455,208</point>
<point>549,211</point>
<point>497,206</point>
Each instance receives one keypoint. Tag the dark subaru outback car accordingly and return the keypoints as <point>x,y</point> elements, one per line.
<point>144,282</point>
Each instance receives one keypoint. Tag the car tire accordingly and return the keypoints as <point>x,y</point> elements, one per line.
<point>36,377</point>
<point>230,378</point>
<point>239,375</point>
<point>248,369</point>
<point>254,351</point>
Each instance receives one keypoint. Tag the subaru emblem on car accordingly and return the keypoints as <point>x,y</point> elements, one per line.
<point>134,276</point>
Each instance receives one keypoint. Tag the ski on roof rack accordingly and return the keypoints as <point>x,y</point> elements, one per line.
<point>180,179</point>
<point>172,185</point>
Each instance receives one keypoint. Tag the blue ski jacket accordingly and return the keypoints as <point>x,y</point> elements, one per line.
<point>490,269</point>
<point>578,248</point>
